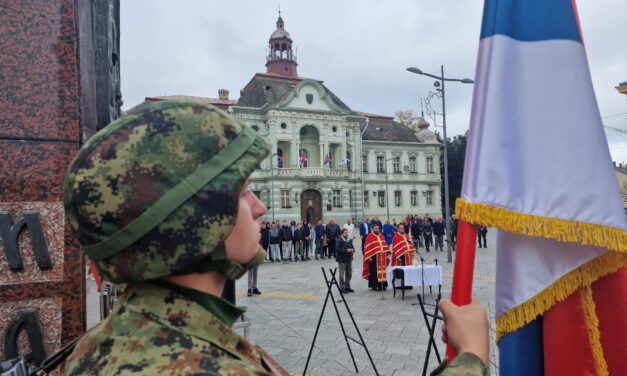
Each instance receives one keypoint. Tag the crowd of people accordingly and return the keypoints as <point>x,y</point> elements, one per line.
<point>303,241</point>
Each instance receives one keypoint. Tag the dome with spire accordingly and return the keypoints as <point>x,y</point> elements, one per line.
<point>281,57</point>
<point>280,31</point>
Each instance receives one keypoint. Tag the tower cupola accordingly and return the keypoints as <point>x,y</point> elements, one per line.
<point>281,59</point>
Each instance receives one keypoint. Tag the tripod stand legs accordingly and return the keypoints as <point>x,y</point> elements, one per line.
<point>330,283</point>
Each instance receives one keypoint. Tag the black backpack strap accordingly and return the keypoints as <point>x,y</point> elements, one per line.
<point>57,358</point>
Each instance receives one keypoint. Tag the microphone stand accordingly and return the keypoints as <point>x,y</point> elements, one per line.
<point>422,271</point>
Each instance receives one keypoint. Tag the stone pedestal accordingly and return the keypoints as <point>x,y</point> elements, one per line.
<point>47,109</point>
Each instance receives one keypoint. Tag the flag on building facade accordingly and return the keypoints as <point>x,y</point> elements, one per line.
<point>303,160</point>
<point>281,160</point>
<point>538,168</point>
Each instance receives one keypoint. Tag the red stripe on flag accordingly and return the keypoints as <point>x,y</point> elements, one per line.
<point>567,348</point>
<point>610,298</point>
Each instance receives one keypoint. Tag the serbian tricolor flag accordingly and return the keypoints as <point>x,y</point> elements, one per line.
<point>538,168</point>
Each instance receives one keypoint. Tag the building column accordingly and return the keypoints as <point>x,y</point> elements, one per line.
<point>353,159</point>
<point>343,146</point>
<point>298,152</point>
<point>327,146</point>
<point>293,150</point>
<point>321,154</point>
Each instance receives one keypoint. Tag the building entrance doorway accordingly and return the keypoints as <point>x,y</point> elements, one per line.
<point>311,205</point>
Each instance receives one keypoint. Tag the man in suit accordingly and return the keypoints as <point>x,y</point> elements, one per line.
<point>364,230</point>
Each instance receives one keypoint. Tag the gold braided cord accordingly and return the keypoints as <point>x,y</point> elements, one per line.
<point>563,230</point>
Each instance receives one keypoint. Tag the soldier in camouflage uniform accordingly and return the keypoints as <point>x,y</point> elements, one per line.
<point>159,200</point>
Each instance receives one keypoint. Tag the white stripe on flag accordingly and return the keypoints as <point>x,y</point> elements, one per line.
<point>525,266</point>
<point>536,143</point>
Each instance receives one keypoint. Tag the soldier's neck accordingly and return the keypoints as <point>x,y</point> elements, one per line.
<point>208,282</point>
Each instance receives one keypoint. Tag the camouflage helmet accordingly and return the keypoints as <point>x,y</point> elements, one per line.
<point>156,192</point>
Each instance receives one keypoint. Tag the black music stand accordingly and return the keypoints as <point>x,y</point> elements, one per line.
<point>431,328</point>
<point>330,283</point>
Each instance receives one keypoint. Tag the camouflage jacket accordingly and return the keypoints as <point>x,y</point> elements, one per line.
<point>155,331</point>
<point>465,364</point>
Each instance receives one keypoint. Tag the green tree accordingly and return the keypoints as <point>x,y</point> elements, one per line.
<point>456,156</point>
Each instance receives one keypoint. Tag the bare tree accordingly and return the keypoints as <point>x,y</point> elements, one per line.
<point>407,118</point>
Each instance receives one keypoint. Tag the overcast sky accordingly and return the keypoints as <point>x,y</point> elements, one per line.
<point>360,49</point>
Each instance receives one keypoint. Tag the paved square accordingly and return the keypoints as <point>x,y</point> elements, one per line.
<point>284,318</point>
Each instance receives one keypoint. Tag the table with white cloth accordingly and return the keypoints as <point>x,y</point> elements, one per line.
<point>414,275</point>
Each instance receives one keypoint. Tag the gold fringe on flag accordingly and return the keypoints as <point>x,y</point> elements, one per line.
<point>563,230</point>
<point>566,285</point>
<point>594,334</point>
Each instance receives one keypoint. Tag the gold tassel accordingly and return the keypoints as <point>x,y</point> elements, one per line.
<point>566,285</point>
<point>563,230</point>
<point>594,334</point>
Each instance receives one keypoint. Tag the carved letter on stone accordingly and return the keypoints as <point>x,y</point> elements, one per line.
<point>9,235</point>
<point>26,320</point>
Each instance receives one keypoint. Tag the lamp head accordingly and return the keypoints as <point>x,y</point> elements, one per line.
<point>467,81</point>
<point>414,70</point>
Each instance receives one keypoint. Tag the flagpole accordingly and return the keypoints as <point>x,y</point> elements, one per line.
<point>461,293</point>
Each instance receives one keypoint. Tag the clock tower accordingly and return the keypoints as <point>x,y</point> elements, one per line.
<point>281,59</point>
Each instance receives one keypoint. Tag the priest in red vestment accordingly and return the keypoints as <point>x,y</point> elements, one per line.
<point>376,260</point>
<point>402,248</point>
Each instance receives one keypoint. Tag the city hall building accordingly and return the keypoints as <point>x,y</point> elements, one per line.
<point>328,160</point>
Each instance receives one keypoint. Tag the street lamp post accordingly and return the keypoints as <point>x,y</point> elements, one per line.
<point>387,193</point>
<point>361,150</point>
<point>272,183</point>
<point>447,209</point>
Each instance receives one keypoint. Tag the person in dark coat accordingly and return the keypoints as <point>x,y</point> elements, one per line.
<point>454,225</point>
<point>427,232</point>
<point>376,222</point>
<point>319,233</point>
<point>438,231</point>
<point>304,235</point>
<point>298,242</point>
<point>416,233</point>
<point>264,240</point>
<point>332,232</point>
<point>482,232</point>
<point>274,241</point>
<point>345,251</point>
<point>286,239</point>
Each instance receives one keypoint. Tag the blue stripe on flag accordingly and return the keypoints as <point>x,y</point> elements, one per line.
<point>521,352</point>
<point>530,20</point>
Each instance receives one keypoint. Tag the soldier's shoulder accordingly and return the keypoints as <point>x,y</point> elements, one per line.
<point>130,342</point>
<point>140,347</point>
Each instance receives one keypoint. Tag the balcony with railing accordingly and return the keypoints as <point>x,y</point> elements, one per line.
<point>308,173</point>
<point>311,173</point>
